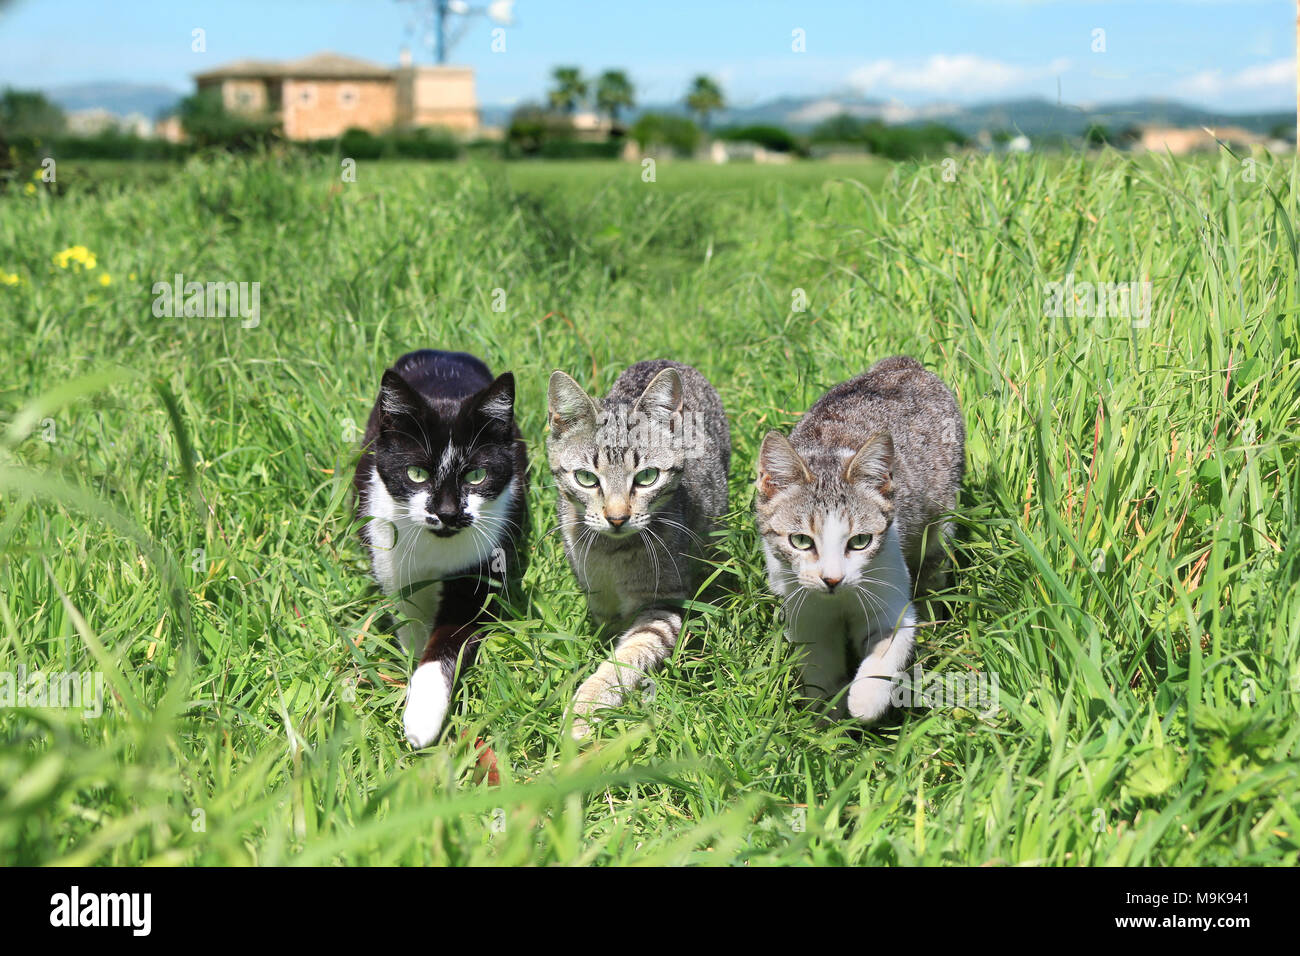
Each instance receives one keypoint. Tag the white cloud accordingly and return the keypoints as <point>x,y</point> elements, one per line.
<point>944,74</point>
<point>1277,75</point>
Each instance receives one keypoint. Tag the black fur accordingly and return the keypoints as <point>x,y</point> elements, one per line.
<point>428,400</point>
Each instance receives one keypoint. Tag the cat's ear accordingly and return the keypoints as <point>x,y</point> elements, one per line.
<point>662,398</point>
<point>873,463</point>
<point>396,398</point>
<point>779,465</point>
<point>496,403</point>
<point>568,405</point>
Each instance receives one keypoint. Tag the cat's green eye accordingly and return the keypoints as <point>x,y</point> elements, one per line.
<point>475,476</point>
<point>646,476</point>
<point>585,478</point>
<point>801,541</point>
<point>859,542</point>
<point>417,474</point>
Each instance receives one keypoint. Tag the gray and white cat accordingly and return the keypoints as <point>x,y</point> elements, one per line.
<point>642,480</point>
<point>849,509</point>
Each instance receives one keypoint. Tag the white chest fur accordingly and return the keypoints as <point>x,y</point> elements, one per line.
<point>860,614</point>
<point>603,580</point>
<point>407,559</point>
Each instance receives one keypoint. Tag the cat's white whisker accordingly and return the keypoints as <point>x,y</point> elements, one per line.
<point>843,505</point>
<point>449,506</point>
<point>620,468</point>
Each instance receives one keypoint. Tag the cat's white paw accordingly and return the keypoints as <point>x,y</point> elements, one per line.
<point>427,698</point>
<point>579,729</point>
<point>870,697</point>
<point>597,692</point>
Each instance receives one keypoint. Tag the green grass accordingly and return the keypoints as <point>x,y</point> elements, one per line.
<point>1127,558</point>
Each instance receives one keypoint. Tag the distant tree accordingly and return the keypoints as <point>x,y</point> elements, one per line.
<point>531,126</point>
<point>1129,136</point>
<point>570,88</point>
<point>1283,131</point>
<point>204,118</point>
<point>703,98</point>
<point>773,138</point>
<point>1096,136</point>
<point>28,114</point>
<point>894,142</point>
<point>678,133</point>
<point>930,139</point>
<point>614,92</point>
<point>648,130</point>
<point>840,129</point>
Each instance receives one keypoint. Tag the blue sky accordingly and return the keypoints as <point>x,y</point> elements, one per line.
<point>1234,55</point>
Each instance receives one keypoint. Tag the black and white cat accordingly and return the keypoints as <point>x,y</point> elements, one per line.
<point>443,483</point>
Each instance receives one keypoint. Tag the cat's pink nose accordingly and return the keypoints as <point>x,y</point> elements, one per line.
<point>831,582</point>
<point>616,520</point>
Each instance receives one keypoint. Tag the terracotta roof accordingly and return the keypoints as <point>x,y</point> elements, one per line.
<point>250,68</point>
<point>316,66</point>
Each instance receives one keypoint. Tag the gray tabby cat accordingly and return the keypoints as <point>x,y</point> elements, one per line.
<point>642,480</point>
<point>849,509</point>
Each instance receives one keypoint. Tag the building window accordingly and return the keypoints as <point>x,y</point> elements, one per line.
<point>307,95</point>
<point>348,97</point>
<point>244,99</point>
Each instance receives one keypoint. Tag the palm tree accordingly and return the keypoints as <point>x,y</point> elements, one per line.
<point>613,93</point>
<point>570,88</point>
<point>704,97</point>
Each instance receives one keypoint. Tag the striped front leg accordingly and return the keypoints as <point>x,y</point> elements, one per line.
<point>641,649</point>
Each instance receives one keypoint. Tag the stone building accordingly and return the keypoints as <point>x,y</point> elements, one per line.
<point>320,96</point>
<point>1181,141</point>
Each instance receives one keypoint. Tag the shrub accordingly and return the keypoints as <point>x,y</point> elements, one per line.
<point>579,149</point>
<point>772,138</point>
<point>678,133</point>
<point>1096,136</point>
<point>894,142</point>
<point>29,114</point>
<point>360,144</point>
<point>531,126</point>
<point>485,148</point>
<point>112,144</point>
<point>422,143</point>
<point>208,124</point>
<point>412,143</point>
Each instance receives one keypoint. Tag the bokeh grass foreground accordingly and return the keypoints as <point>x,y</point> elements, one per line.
<point>175,520</point>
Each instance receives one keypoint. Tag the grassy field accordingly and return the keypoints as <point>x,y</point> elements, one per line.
<point>174,513</point>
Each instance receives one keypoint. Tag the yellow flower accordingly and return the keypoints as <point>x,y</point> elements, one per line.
<point>105,279</point>
<point>9,278</point>
<point>79,255</point>
<point>30,189</point>
<point>132,276</point>
<point>37,174</point>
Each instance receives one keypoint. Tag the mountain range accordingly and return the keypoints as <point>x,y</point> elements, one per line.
<point>120,98</point>
<point>1033,117</point>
